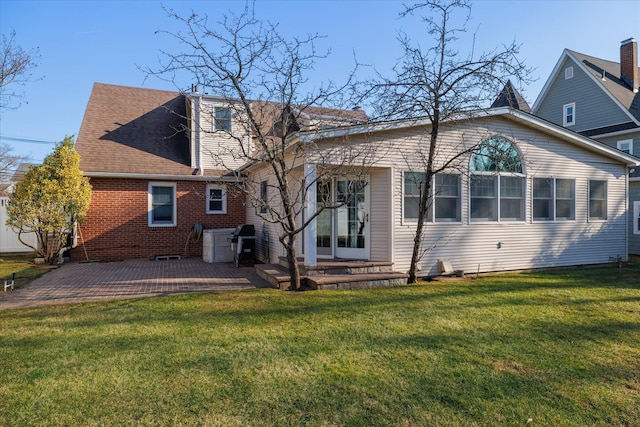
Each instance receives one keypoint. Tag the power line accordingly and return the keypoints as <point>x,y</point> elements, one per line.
<point>29,140</point>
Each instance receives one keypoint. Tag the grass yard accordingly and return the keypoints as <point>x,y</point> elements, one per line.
<point>560,348</point>
<point>23,267</point>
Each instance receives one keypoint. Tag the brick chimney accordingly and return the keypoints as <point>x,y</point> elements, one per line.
<point>629,63</point>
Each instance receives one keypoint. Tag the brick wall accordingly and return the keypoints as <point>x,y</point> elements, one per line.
<point>116,226</point>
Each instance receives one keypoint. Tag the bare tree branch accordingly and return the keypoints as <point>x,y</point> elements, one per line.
<point>440,83</point>
<point>16,66</point>
<point>260,76</point>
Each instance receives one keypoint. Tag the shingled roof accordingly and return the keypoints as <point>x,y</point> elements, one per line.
<point>510,97</point>
<point>134,131</point>
<point>611,82</point>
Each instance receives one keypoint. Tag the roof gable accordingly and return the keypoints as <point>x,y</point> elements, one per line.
<point>605,74</point>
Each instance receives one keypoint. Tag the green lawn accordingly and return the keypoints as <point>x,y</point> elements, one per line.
<point>558,349</point>
<point>23,267</point>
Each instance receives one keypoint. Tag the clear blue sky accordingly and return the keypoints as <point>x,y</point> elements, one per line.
<point>82,42</point>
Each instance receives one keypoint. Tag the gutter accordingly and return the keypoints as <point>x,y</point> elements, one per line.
<point>163,177</point>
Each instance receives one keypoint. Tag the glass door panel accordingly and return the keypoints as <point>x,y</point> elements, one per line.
<point>324,226</point>
<point>352,219</point>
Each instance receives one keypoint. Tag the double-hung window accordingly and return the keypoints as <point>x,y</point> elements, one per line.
<point>497,184</point>
<point>216,199</point>
<point>569,114</point>
<point>162,204</point>
<point>553,199</point>
<point>447,198</point>
<point>597,200</point>
<point>413,185</point>
<point>444,203</point>
<point>222,119</point>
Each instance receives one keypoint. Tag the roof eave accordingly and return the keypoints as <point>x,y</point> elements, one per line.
<point>161,177</point>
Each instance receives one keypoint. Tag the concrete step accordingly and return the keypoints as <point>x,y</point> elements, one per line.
<point>357,281</point>
<point>275,274</point>
<point>278,277</point>
<point>338,266</point>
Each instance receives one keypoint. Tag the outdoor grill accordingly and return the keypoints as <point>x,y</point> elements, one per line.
<point>243,244</point>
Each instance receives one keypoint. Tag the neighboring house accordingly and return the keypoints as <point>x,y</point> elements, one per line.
<point>152,183</point>
<point>9,242</point>
<point>600,99</point>
<point>558,199</point>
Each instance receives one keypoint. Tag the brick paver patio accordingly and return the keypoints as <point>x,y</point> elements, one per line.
<point>78,282</point>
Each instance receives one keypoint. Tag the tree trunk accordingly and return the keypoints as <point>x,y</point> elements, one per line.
<point>424,198</point>
<point>294,271</point>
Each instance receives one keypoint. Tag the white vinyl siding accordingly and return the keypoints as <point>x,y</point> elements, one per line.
<point>216,148</point>
<point>472,245</point>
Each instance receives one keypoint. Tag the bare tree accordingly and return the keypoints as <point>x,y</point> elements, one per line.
<point>16,65</point>
<point>258,76</point>
<point>8,162</point>
<point>442,84</point>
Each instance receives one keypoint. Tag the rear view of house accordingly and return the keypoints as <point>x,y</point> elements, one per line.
<point>154,187</point>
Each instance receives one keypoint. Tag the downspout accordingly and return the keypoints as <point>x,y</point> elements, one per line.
<point>196,149</point>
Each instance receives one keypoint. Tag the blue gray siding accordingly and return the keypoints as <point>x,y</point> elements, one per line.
<point>594,108</point>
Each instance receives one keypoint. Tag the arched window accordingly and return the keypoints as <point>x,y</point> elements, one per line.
<point>497,182</point>
<point>496,154</point>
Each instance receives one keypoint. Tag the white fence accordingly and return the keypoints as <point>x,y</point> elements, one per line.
<point>9,242</point>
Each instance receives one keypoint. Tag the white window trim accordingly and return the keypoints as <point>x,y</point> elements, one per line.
<point>150,203</point>
<point>554,200</point>
<point>498,198</point>
<point>568,73</point>
<point>606,202</point>
<point>636,217</point>
<point>431,211</point>
<point>565,107</point>
<point>214,121</point>
<point>626,141</point>
<point>224,198</point>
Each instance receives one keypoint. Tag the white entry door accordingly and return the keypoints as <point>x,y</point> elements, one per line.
<point>351,220</point>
